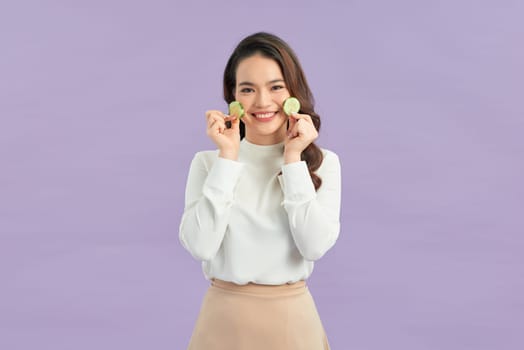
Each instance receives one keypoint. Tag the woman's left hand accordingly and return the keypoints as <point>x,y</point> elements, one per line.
<point>300,134</point>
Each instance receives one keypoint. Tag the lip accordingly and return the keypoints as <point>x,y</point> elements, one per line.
<point>266,119</point>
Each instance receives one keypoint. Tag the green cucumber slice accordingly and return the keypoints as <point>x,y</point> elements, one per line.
<point>291,105</point>
<point>236,109</point>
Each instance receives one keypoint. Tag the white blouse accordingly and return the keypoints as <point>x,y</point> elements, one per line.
<point>247,223</point>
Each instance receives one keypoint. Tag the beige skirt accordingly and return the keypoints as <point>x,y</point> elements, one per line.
<point>258,317</point>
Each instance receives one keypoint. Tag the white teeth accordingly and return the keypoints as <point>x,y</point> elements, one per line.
<point>264,115</point>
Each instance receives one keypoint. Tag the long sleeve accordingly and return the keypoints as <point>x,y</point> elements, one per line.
<point>314,217</point>
<point>208,199</point>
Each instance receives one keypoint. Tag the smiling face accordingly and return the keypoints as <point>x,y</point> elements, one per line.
<point>261,89</point>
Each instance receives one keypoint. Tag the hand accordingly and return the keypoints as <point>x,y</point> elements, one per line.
<point>300,134</point>
<point>227,140</point>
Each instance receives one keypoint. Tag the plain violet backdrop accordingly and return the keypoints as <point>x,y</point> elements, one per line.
<point>102,109</point>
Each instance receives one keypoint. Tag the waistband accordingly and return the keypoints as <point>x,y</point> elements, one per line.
<point>261,289</point>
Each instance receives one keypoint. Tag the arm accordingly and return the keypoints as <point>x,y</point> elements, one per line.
<point>314,217</point>
<point>208,200</point>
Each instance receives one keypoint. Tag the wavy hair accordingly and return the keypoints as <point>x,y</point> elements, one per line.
<point>271,46</point>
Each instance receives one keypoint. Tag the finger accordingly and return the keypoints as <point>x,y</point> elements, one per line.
<point>294,131</point>
<point>216,118</point>
<point>307,128</point>
<point>210,117</point>
<point>235,123</point>
<point>221,125</point>
<point>212,127</point>
<point>228,118</point>
<point>217,126</point>
<point>212,114</point>
<point>302,128</point>
<point>292,122</point>
<point>305,117</point>
<point>212,120</point>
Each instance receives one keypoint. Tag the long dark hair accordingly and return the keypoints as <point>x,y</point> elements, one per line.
<point>271,46</point>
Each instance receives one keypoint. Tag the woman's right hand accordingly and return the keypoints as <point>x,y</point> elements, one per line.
<point>226,139</point>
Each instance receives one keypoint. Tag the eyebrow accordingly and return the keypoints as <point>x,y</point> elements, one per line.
<point>268,83</point>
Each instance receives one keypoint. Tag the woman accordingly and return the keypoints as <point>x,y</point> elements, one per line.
<point>262,208</point>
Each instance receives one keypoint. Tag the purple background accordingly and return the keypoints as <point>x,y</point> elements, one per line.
<point>102,108</point>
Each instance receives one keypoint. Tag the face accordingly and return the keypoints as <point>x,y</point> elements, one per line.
<point>261,90</point>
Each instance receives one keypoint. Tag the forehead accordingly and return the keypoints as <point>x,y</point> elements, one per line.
<point>258,69</point>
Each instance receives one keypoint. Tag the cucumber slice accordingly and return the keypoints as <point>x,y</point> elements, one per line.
<point>236,109</point>
<point>291,105</point>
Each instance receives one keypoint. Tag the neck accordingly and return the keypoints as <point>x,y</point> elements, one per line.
<point>271,139</point>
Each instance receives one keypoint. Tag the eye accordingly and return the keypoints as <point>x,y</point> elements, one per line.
<point>246,90</point>
<point>277,87</point>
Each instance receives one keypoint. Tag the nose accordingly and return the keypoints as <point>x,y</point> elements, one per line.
<point>263,99</point>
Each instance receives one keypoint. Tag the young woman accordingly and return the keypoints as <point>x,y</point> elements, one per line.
<point>262,208</point>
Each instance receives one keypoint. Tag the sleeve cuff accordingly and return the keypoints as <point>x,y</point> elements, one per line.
<point>224,175</point>
<point>296,182</point>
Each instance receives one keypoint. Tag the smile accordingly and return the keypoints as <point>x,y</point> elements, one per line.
<point>264,116</point>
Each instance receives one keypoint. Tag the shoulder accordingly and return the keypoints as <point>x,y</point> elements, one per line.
<point>330,163</point>
<point>208,154</point>
<point>330,157</point>
<point>205,158</point>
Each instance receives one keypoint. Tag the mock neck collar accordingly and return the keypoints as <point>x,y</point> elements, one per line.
<point>273,150</point>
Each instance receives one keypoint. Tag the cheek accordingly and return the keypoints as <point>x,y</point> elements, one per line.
<point>282,96</point>
<point>244,100</point>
